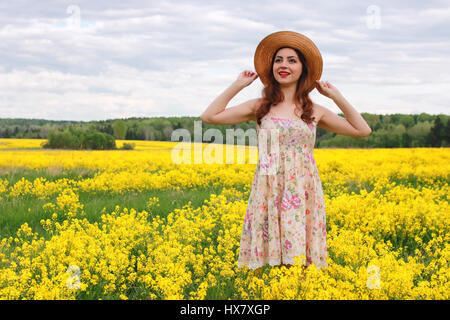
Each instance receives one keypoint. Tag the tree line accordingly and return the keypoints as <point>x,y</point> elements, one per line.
<point>388,131</point>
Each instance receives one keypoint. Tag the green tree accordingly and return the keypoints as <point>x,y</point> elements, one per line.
<point>75,138</point>
<point>62,140</point>
<point>419,134</point>
<point>120,129</point>
<point>97,140</point>
<point>7,133</point>
<point>407,120</point>
<point>436,133</point>
<point>425,117</point>
<point>385,119</point>
<point>447,133</point>
<point>406,140</point>
<point>373,120</point>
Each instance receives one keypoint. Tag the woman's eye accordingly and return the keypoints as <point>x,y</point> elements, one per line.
<point>291,60</point>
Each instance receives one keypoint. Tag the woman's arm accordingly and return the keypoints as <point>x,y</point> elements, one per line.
<point>216,113</point>
<point>352,125</point>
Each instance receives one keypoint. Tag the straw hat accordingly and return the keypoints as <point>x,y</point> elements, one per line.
<point>270,44</point>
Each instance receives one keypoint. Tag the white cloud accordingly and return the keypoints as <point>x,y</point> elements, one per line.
<point>174,57</point>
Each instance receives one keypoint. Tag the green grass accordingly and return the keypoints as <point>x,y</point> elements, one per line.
<point>14,211</point>
<point>411,182</point>
<point>14,175</point>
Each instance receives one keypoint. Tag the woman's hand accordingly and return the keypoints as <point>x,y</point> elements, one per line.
<point>327,89</point>
<point>246,78</point>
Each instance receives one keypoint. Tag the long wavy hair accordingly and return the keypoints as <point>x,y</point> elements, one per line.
<point>272,94</point>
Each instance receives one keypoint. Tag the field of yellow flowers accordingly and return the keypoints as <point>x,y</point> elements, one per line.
<point>135,225</point>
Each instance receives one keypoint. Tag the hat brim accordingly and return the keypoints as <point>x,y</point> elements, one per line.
<point>270,44</point>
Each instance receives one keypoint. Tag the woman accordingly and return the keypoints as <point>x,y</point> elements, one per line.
<point>285,216</point>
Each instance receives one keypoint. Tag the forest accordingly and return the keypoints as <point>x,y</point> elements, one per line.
<point>388,131</point>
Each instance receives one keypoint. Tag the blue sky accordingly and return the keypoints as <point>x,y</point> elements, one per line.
<point>85,60</point>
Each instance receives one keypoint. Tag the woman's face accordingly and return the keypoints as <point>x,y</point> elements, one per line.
<point>286,60</point>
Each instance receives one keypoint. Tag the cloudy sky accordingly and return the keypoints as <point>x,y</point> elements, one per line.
<point>86,60</point>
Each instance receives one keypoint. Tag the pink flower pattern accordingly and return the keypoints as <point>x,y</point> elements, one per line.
<point>290,201</point>
<point>285,215</point>
<point>266,230</point>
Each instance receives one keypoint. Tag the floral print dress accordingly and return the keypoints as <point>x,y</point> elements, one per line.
<point>285,215</point>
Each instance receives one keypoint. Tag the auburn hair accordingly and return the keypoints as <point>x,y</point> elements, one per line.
<point>272,94</point>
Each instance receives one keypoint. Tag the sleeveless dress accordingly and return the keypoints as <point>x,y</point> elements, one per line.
<point>285,215</point>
